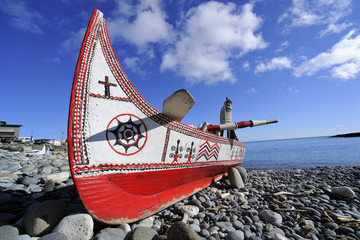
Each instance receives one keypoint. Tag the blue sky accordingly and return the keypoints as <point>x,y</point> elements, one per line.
<point>297,61</point>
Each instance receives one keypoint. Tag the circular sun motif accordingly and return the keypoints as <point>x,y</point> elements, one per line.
<point>126,134</point>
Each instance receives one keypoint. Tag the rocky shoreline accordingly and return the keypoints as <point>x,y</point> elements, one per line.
<point>38,200</point>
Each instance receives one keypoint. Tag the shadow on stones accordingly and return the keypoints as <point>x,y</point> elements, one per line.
<point>21,200</point>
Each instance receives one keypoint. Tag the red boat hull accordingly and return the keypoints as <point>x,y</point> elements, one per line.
<point>142,193</point>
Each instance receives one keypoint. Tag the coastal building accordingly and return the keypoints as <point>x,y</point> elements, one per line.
<point>9,131</point>
<point>48,141</point>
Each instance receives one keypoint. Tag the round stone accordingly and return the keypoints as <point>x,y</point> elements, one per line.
<point>54,236</point>
<point>205,233</point>
<point>346,230</point>
<point>235,178</point>
<point>243,173</point>
<point>270,217</point>
<point>57,177</point>
<point>41,218</point>
<point>143,233</point>
<point>181,231</point>
<point>235,235</point>
<point>8,232</point>
<point>331,225</point>
<point>22,237</point>
<point>76,226</point>
<point>195,227</point>
<point>238,225</point>
<point>146,222</point>
<point>126,227</point>
<point>344,192</point>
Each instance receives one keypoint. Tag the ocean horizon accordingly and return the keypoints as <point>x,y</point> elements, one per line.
<point>308,152</point>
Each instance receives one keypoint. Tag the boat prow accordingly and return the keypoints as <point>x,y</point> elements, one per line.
<point>128,160</point>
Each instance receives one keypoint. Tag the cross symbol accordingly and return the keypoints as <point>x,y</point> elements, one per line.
<point>107,86</point>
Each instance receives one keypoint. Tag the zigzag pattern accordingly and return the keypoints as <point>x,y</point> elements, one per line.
<point>207,151</point>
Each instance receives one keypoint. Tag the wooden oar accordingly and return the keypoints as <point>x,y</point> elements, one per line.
<point>178,104</point>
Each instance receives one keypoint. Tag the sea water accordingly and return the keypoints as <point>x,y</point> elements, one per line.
<point>303,153</point>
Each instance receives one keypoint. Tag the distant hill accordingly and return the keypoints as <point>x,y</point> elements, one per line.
<point>357,134</point>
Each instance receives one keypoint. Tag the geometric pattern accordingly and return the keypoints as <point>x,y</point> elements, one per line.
<point>207,151</point>
<point>126,134</point>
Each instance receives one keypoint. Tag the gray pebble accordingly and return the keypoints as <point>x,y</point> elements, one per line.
<point>346,230</point>
<point>208,204</point>
<point>248,220</point>
<point>8,232</point>
<point>331,225</point>
<point>21,237</point>
<point>195,227</point>
<point>343,192</point>
<point>41,218</point>
<point>205,233</point>
<point>140,233</point>
<point>329,233</point>
<point>238,225</point>
<point>181,231</point>
<point>204,225</point>
<point>54,236</point>
<point>243,173</point>
<point>76,226</point>
<point>235,235</point>
<point>270,216</point>
<point>235,178</point>
<point>252,200</point>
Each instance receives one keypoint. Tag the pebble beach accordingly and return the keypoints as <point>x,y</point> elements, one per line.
<point>38,200</point>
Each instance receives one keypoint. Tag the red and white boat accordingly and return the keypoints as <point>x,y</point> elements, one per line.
<point>127,159</point>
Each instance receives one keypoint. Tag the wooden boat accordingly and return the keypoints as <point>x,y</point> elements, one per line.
<point>127,159</point>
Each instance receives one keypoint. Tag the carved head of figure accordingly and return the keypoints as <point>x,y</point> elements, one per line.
<point>226,111</point>
<point>228,104</point>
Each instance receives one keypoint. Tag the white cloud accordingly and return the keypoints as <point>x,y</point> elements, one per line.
<point>282,46</point>
<point>277,63</point>
<point>140,24</point>
<point>246,66</point>
<point>213,33</point>
<point>73,42</point>
<point>133,64</point>
<point>334,28</point>
<point>303,13</point>
<point>343,59</point>
<point>346,71</point>
<point>22,17</point>
<point>251,90</point>
<point>54,60</point>
<point>291,89</point>
<point>288,89</point>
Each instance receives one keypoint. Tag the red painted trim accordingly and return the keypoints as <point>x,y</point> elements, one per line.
<point>149,166</point>
<point>165,145</point>
<point>111,97</point>
<point>117,198</point>
<point>73,93</point>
